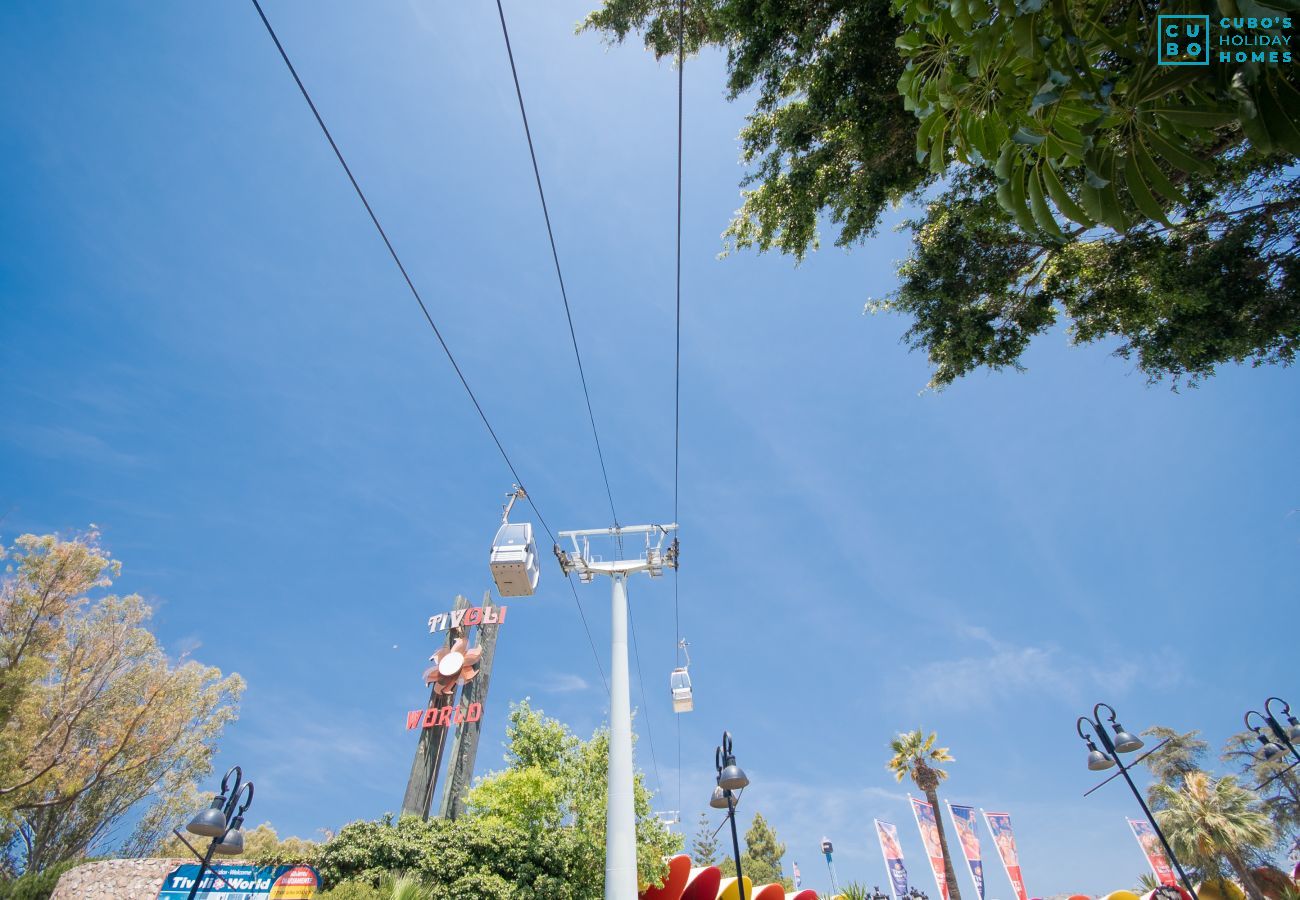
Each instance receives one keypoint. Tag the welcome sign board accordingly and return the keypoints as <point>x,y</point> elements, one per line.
<point>242,883</point>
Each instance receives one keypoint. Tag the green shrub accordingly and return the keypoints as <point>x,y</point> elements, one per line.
<point>37,885</point>
<point>470,857</point>
<point>352,890</point>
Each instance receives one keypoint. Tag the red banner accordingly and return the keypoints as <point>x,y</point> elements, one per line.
<point>1150,843</point>
<point>1005,840</point>
<point>929,827</point>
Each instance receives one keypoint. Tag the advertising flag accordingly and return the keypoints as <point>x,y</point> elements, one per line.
<point>798,880</point>
<point>1150,843</point>
<point>964,820</point>
<point>1005,840</point>
<point>892,850</point>
<point>929,827</point>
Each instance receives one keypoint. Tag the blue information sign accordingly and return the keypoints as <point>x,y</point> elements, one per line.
<point>236,882</point>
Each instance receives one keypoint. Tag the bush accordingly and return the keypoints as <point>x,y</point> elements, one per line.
<point>470,857</point>
<point>352,890</point>
<point>37,885</point>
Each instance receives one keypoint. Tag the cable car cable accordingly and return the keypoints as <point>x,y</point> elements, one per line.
<point>428,317</point>
<point>559,274</point>
<point>677,363</point>
<point>654,760</point>
<point>555,255</point>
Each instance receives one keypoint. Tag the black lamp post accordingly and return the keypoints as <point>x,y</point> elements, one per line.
<point>1100,760</point>
<point>221,822</point>
<point>731,777</point>
<point>1287,735</point>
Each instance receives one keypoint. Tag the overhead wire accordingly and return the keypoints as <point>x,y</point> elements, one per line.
<point>677,360</point>
<point>559,274</point>
<point>555,255</point>
<point>427,315</point>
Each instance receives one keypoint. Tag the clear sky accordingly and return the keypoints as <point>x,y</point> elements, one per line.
<point>207,352</point>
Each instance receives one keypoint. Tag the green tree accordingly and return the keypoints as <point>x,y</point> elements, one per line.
<point>1279,791</point>
<point>914,757</point>
<point>262,846</point>
<point>761,859</point>
<point>1172,763</point>
<point>1212,822</point>
<point>554,779</point>
<point>95,721</point>
<point>1056,131</point>
<point>704,846</point>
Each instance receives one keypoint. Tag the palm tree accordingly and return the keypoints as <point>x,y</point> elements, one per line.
<point>1210,821</point>
<point>914,755</point>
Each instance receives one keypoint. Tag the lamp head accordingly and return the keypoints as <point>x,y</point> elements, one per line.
<point>1292,729</point>
<point>232,842</point>
<point>1098,761</point>
<point>732,777</point>
<point>719,799</point>
<point>1270,751</point>
<point>1125,742</point>
<point>211,822</point>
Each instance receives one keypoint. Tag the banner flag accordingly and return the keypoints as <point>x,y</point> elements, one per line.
<point>1005,840</point>
<point>892,850</point>
<point>964,820</point>
<point>798,879</point>
<point>929,828</point>
<point>1150,843</point>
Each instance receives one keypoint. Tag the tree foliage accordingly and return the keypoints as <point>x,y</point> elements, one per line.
<point>1057,133</point>
<point>1280,788</point>
<point>1216,825</point>
<point>535,829</point>
<point>704,845</point>
<point>761,858</point>
<point>95,720</point>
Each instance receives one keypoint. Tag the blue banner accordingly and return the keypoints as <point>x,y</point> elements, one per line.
<point>893,853</point>
<point>964,819</point>
<point>236,882</point>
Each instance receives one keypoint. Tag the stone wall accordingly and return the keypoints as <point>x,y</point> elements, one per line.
<point>115,879</point>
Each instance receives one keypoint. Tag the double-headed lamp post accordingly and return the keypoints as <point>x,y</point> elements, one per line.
<point>1100,760</point>
<point>221,822</point>
<point>731,777</point>
<point>1288,734</point>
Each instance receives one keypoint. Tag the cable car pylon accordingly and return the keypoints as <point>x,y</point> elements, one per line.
<point>620,811</point>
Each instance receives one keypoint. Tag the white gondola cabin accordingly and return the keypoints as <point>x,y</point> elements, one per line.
<point>679,682</point>
<point>683,699</point>
<point>515,567</point>
<point>514,562</point>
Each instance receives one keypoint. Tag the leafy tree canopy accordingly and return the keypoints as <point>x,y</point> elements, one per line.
<point>95,720</point>
<point>1056,133</point>
<point>704,845</point>
<point>761,858</point>
<point>535,829</point>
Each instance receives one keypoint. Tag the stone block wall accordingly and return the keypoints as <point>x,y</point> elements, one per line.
<point>115,879</point>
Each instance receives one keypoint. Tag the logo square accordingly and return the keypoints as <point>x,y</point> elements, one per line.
<point>1184,40</point>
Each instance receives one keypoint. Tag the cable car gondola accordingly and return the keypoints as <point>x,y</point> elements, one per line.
<point>514,562</point>
<point>679,682</point>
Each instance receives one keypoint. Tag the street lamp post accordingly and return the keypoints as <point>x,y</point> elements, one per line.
<point>829,849</point>
<point>620,809</point>
<point>731,777</point>
<point>1099,760</point>
<point>221,822</point>
<point>1288,735</point>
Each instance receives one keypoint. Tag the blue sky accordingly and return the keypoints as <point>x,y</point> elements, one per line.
<point>208,353</point>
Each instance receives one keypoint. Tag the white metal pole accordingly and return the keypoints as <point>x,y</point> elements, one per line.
<point>620,814</point>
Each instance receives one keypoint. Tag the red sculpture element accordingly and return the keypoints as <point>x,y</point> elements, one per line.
<point>707,883</point>
<point>452,666</point>
<point>442,716</point>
